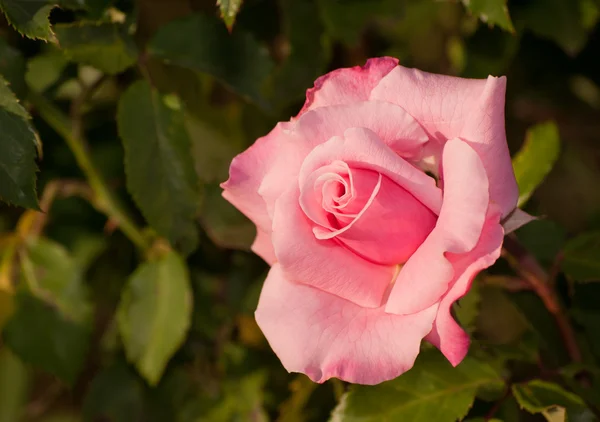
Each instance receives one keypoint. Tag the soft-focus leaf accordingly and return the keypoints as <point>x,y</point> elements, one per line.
<point>492,12</point>
<point>158,162</point>
<point>236,59</point>
<point>543,238</point>
<point>224,224</point>
<point>558,20</point>
<point>12,67</point>
<point>51,327</point>
<point>294,408</point>
<point>106,46</point>
<point>308,51</point>
<point>581,257</point>
<point>242,400</point>
<point>536,158</point>
<point>544,397</point>
<point>155,313</point>
<point>14,386</point>
<point>29,17</point>
<point>115,394</point>
<point>44,70</point>
<point>17,152</point>
<point>431,391</point>
<point>229,10</point>
<point>466,308</point>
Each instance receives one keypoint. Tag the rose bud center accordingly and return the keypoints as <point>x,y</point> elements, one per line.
<point>366,212</point>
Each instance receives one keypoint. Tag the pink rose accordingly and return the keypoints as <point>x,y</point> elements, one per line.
<point>376,207</point>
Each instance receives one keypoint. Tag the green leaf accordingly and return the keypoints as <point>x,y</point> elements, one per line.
<point>229,10</point>
<point>105,46</point>
<point>51,327</point>
<point>581,257</point>
<point>15,379</point>
<point>431,391</point>
<point>236,59</point>
<point>543,238</point>
<point>116,394</point>
<point>539,396</point>
<point>492,12</point>
<point>30,18</point>
<point>345,20</point>
<point>558,20</point>
<point>12,66</point>
<point>44,70</point>
<point>242,400</point>
<point>308,51</point>
<point>155,313</point>
<point>18,143</point>
<point>536,158</point>
<point>159,164</point>
<point>466,308</point>
<point>225,224</point>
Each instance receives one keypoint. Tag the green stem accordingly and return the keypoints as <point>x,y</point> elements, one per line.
<point>105,200</point>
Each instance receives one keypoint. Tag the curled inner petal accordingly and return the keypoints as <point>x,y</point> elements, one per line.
<point>365,212</point>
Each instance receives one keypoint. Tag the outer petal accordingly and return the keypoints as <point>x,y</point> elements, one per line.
<point>263,246</point>
<point>324,336</point>
<point>348,85</point>
<point>446,334</point>
<point>246,173</point>
<point>428,273</point>
<point>324,264</point>
<point>449,107</point>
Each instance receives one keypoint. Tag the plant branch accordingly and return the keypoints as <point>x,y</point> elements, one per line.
<point>104,199</point>
<point>531,271</point>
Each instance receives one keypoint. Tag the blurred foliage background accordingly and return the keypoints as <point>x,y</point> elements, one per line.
<point>130,296</point>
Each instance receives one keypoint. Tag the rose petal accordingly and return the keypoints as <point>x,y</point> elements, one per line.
<point>245,176</point>
<point>324,336</point>
<point>324,264</point>
<point>449,107</point>
<point>391,123</point>
<point>427,274</point>
<point>263,246</point>
<point>362,148</point>
<point>348,85</point>
<point>446,334</point>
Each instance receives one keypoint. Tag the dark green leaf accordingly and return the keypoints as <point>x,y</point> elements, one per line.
<point>242,400</point>
<point>235,59</point>
<point>558,20</point>
<point>12,66</point>
<point>431,391</point>
<point>539,396</point>
<point>466,308</point>
<point>14,386</point>
<point>308,51</point>
<point>581,257</point>
<point>543,238</point>
<point>51,327</point>
<point>18,142</point>
<point>44,70</point>
<point>345,20</point>
<point>30,18</point>
<point>155,313</point>
<point>159,164</point>
<point>225,224</point>
<point>229,10</point>
<point>106,46</point>
<point>115,394</point>
<point>536,158</point>
<point>493,12</point>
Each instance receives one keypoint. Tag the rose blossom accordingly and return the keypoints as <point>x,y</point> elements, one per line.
<point>376,207</point>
